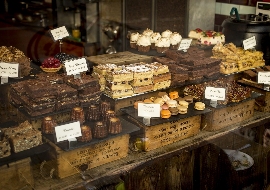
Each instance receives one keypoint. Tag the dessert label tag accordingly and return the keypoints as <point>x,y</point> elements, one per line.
<point>74,67</point>
<point>249,43</point>
<point>264,77</point>
<point>59,33</point>
<point>68,131</point>
<point>185,43</point>
<point>9,69</point>
<point>148,110</point>
<point>213,93</point>
<point>4,79</point>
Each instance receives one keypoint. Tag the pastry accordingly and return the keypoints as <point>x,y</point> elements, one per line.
<point>199,106</point>
<point>100,130</point>
<point>174,95</point>
<point>135,105</point>
<point>183,103</point>
<point>86,134</point>
<point>174,110</point>
<point>147,101</point>
<point>165,114</point>
<point>175,39</point>
<point>144,43</point>
<point>154,38</point>
<point>182,109</point>
<point>115,125</point>
<point>188,99</point>
<point>166,33</point>
<point>165,106</point>
<point>148,32</point>
<point>133,40</point>
<point>159,101</point>
<point>163,44</point>
<point>171,103</point>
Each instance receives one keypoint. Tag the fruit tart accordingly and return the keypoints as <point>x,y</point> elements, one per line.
<point>51,64</point>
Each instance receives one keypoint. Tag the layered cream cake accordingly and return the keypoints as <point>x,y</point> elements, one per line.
<point>207,37</point>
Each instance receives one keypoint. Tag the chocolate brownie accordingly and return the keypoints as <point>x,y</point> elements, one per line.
<point>67,103</point>
<point>51,77</point>
<point>83,82</point>
<point>5,149</point>
<point>249,74</point>
<point>64,91</point>
<point>37,88</point>
<point>94,98</point>
<point>89,90</point>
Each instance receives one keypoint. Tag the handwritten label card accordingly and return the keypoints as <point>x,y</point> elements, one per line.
<point>213,93</point>
<point>249,43</point>
<point>59,33</point>
<point>9,69</point>
<point>185,43</point>
<point>74,67</point>
<point>264,77</point>
<point>148,110</point>
<point>68,131</point>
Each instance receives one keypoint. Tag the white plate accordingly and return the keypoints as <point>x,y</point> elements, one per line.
<point>239,157</point>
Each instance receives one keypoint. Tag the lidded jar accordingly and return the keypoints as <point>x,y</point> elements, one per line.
<point>77,114</point>
<point>48,125</point>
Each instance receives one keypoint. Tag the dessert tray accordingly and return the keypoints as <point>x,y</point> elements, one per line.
<point>239,160</point>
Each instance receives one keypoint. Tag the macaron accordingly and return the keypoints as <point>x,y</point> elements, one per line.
<point>171,103</point>
<point>183,103</point>
<point>165,114</point>
<point>173,95</point>
<point>165,98</point>
<point>159,101</point>
<point>160,94</point>
<point>199,106</point>
<point>182,109</point>
<point>147,101</point>
<point>174,110</point>
<point>165,106</point>
<point>189,99</point>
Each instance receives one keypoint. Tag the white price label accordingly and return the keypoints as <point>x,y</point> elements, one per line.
<point>148,110</point>
<point>68,131</point>
<point>264,77</point>
<point>74,67</point>
<point>9,69</point>
<point>249,43</point>
<point>59,33</point>
<point>185,44</point>
<point>213,93</point>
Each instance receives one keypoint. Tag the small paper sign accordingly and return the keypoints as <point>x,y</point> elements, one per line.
<point>59,33</point>
<point>249,43</point>
<point>9,69</point>
<point>4,79</point>
<point>148,110</point>
<point>74,67</point>
<point>68,131</point>
<point>213,93</point>
<point>264,77</point>
<point>185,43</point>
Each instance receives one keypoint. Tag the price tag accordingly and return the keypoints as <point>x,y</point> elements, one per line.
<point>59,33</point>
<point>148,110</point>
<point>213,93</point>
<point>9,69</point>
<point>68,131</point>
<point>73,67</point>
<point>185,43</point>
<point>264,77</point>
<point>249,43</point>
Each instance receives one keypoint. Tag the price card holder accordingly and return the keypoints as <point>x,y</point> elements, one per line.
<point>147,111</point>
<point>68,131</point>
<point>266,87</point>
<point>215,94</point>
<point>8,70</point>
<point>70,141</point>
<point>59,33</point>
<point>73,67</point>
<point>249,43</point>
<point>185,44</point>
<point>4,79</point>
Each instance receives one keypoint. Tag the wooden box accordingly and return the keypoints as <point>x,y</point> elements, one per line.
<point>222,117</point>
<point>17,175</point>
<point>157,136</point>
<point>74,161</point>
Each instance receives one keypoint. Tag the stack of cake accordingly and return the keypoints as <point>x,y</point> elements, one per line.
<point>236,59</point>
<point>13,55</point>
<point>22,137</point>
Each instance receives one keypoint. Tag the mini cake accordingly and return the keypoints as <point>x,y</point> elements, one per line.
<point>86,134</point>
<point>165,114</point>
<point>195,34</point>
<point>133,40</point>
<point>108,115</point>
<point>147,101</point>
<point>77,114</point>
<point>100,130</point>
<point>165,106</point>
<point>48,125</point>
<point>93,113</point>
<point>166,33</point>
<point>175,39</point>
<point>144,43</point>
<point>5,149</point>
<point>159,101</point>
<point>115,125</point>
<point>147,32</point>
<point>183,103</point>
<point>163,44</point>
<point>104,107</point>
<point>154,38</point>
<point>210,37</point>
<point>189,99</point>
<point>199,106</point>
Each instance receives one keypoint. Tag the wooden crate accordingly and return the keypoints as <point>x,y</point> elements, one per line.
<point>70,162</point>
<point>17,175</point>
<point>117,104</point>
<point>157,136</point>
<point>222,117</point>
